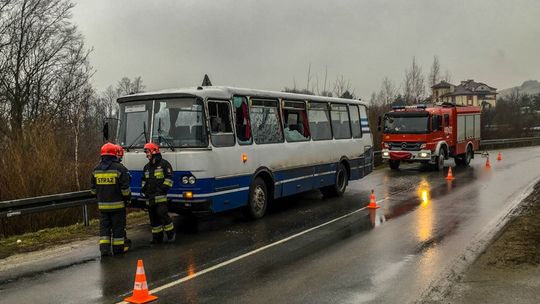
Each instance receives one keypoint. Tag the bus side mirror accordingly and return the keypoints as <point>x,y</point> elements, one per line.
<point>106,131</point>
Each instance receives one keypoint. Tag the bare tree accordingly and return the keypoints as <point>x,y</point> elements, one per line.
<point>308,77</point>
<point>434,74</point>
<point>137,85</point>
<point>373,99</point>
<point>126,86</point>
<point>76,91</point>
<point>343,87</point>
<point>448,76</point>
<point>42,44</point>
<point>388,91</point>
<point>413,87</point>
<point>108,99</point>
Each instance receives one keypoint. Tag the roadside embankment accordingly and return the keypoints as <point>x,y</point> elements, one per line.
<point>50,237</point>
<point>508,271</point>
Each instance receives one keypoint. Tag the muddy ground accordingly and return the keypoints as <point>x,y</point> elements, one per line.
<point>508,271</point>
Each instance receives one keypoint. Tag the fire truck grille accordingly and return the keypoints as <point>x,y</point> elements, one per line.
<point>405,146</point>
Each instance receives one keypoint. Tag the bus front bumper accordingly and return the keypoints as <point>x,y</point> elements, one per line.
<point>190,205</point>
<point>422,155</point>
<point>178,205</point>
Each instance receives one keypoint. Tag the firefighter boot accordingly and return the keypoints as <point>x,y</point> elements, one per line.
<point>127,244</point>
<point>106,253</point>
<point>171,236</point>
<point>170,231</point>
<point>157,238</point>
<point>105,245</point>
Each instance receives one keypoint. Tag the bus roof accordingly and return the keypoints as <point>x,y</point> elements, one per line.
<point>223,92</point>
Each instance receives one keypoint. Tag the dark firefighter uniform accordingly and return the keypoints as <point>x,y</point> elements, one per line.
<point>110,183</point>
<point>156,182</point>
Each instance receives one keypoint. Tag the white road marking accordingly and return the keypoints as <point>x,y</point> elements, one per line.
<point>245,255</point>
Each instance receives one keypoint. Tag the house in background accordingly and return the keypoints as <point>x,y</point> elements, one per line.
<point>468,93</point>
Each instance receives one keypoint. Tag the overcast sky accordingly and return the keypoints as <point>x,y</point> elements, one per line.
<point>269,44</point>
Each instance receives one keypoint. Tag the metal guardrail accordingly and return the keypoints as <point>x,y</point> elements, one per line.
<point>509,141</point>
<point>84,198</point>
<point>47,203</point>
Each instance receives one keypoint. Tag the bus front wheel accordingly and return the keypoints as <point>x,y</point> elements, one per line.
<point>258,200</point>
<point>340,186</point>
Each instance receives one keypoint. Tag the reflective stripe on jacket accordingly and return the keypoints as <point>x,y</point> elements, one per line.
<point>157,180</point>
<point>110,183</point>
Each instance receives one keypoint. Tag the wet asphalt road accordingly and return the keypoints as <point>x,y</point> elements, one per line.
<point>423,229</point>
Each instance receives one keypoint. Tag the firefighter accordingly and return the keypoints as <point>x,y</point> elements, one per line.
<point>119,157</point>
<point>119,153</point>
<point>156,182</point>
<point>110,183</point>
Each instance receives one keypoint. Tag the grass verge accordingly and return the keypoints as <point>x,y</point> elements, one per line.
<point>48,237</point>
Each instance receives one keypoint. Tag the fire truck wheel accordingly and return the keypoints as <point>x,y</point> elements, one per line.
<point>468,156</point>
<point>394,164</point>
<point>465,158</point>
<point>440,161</point>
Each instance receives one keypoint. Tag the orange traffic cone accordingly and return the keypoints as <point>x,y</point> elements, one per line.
<point>488,164</point>
<point>372,201</point>
<point>499,157</point>
<point>140,290</point>
<point>449,176</point>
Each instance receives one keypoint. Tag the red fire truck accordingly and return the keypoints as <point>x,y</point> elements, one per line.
<point>431,134</point>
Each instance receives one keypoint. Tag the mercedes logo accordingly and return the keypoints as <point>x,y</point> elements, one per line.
<point>404,145</point>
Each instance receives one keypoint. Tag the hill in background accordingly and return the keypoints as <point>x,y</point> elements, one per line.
<point>529,87</point>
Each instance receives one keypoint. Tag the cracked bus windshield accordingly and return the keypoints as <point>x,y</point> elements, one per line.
<point>134,123</point>
<point>179,122</point>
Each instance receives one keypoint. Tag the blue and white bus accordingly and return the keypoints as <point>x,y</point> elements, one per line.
<point>241,148</point>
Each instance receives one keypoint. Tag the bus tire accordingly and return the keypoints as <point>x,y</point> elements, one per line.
<point>339,187</point>
<point>394,164</point>
<point>258,200</point>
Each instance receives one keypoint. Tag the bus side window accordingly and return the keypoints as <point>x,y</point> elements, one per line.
<point>266,121</point>
<point>243,123</point>
<point>355,121</point>
<point>319,121</point>
<point>340,121</point>
<point>295,121</point>
<point>221,132</point>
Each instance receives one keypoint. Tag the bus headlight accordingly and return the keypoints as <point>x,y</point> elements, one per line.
<point>185,180</point>
<point>192,180</point>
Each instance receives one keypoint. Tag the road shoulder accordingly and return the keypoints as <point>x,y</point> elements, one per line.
<point>508,271</point>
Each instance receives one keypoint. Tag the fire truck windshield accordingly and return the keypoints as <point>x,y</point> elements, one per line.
<point>406,124</point>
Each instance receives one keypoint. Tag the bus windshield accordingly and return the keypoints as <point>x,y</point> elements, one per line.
<point>134,123</point>
<point>179,122</point>
<point>406,124</point>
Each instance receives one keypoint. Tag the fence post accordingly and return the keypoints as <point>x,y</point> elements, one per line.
<point>85,215</point>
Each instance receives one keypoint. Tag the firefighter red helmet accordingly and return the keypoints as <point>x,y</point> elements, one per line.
<point>119,151</point>
<point>108,149</point>
<point>152,148</point>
